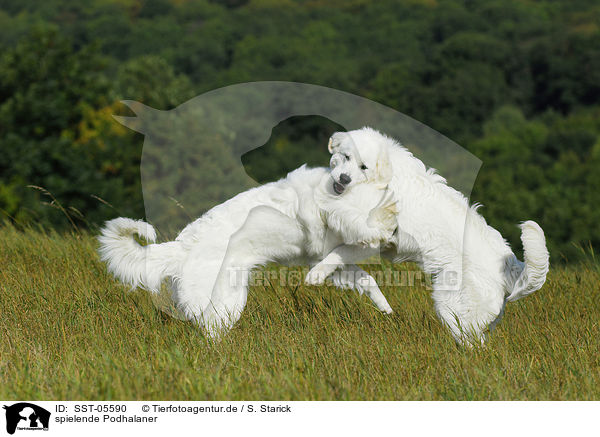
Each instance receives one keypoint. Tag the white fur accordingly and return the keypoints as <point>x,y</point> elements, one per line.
<point>297,219</point>
<point>301,219</point>
<point>473,268</point>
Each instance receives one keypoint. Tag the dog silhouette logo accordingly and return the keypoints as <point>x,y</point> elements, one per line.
<point>193,155</point>
<point>26,416</point>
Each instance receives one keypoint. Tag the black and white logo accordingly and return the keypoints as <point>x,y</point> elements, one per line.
<point>26,416</point>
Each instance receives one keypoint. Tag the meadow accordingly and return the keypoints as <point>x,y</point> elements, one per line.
<point>70,331</point>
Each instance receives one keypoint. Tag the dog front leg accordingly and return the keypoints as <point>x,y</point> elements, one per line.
<point>266,235</point>
<point>340,256</point>
<point>352,276</point>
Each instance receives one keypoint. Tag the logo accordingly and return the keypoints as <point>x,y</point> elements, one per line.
<point>25,416</point>
<point>194,156</point>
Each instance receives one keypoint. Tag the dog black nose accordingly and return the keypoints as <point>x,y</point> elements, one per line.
<point>345,179</point>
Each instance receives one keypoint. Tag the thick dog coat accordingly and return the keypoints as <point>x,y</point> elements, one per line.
<point>474,270</point>
<point>298,219</point>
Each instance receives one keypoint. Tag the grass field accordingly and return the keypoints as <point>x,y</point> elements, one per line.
<point>69,331</point>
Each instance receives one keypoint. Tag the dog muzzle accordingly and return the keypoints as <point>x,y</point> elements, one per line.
<point>338,188</point>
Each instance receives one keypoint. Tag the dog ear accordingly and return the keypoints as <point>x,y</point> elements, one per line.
<point>335,141</point>
<point>384,167</point>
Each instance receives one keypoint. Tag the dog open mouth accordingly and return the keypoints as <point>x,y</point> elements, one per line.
<point>338,188</point>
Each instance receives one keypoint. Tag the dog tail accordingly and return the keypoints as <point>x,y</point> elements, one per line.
<point>537,262</point>
<point>134,264</point>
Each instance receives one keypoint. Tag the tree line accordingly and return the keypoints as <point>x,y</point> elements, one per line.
<point>516,83</point>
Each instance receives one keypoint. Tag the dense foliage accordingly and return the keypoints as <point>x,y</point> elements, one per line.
<point>515,82</point>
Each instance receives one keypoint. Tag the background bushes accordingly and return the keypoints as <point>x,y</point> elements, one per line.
<point>516,83</point>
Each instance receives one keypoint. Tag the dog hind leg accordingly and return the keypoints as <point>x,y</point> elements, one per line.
<point>468,311</point>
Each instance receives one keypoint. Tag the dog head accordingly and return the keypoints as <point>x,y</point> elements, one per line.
<point>359,156</point>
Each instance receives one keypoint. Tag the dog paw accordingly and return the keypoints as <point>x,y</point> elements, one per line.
<point>384,216</point>
<point>317,275</point>
<point>387,310</point>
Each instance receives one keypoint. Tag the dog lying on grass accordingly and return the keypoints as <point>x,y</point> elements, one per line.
<point>297,219</point>
<point>474,271</point>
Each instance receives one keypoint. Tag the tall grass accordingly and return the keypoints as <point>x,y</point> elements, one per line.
<point>69,331</point>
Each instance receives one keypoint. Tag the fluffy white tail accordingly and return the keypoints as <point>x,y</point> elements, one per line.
<point>134,264</point>
<point>537,261</point>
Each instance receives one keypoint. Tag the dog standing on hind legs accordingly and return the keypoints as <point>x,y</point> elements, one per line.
<point>474,271</point>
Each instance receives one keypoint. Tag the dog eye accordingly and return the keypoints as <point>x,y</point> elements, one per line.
<point>363,167</point>
<point>347,157</point>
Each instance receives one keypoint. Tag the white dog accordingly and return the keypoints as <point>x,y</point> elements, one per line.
<point>297,219</point>
<point>474,270</point>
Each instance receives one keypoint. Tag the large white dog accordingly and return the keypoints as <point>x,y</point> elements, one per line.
<point>473,268</point>
<point>347,213</point>
<point>298,219</point>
